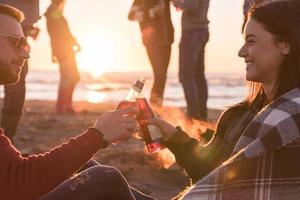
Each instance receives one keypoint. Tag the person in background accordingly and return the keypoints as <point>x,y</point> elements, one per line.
<point>14,95</point>
<point>194,37</point>
<point>64,47</point>
<point>157,35</point>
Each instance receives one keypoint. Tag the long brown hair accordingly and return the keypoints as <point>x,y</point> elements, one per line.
<point>282,19</point>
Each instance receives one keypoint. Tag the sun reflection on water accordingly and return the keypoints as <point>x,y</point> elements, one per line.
<point>95,97</point>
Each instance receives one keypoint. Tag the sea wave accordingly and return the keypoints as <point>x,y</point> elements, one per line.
<point>224,89</point>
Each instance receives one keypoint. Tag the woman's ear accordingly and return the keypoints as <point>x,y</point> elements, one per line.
<point>285,48</point>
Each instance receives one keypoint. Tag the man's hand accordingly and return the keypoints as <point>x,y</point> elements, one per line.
<point>117,125</point>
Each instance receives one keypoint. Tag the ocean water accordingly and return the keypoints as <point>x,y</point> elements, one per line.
<point>224,89</point>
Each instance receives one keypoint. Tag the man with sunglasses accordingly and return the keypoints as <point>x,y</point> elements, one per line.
<point>33,177</point>
<point>14,53</point>
<point>14,95</point>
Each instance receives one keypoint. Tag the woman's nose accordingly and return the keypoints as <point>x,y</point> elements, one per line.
<point>242,52</point>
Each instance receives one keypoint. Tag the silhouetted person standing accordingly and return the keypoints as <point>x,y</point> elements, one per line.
<point>63,51</point>
<point>158,35</point>
<point>191,55</point>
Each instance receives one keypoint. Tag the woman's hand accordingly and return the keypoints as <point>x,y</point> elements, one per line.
<point>167,129</point>
<point>117,125</point>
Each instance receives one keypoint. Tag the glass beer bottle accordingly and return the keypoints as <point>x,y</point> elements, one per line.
<point>151,133</point>
<point>134,92</point>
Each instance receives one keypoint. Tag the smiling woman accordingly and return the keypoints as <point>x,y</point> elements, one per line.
<point>97,55</point>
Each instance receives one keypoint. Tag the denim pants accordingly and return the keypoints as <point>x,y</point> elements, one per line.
<point>95,182</point>
<point>191,71</point>
<point>159,56</point>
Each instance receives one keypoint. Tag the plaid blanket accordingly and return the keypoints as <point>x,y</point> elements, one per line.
<point>266,160</point>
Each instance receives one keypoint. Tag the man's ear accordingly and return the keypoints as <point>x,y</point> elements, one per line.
<point>285,48</point>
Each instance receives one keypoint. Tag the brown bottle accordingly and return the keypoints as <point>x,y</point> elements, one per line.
<point>151,133</point>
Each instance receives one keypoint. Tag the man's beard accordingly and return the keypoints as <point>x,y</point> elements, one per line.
<point>7,76</point>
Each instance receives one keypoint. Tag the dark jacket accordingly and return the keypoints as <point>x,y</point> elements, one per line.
<point>156,30</point>
<point>199,160</point>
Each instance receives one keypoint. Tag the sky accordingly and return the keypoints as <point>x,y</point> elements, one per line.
<point>112,43</point>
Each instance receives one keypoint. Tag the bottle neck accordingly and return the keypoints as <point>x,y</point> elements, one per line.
<point>133,95</point>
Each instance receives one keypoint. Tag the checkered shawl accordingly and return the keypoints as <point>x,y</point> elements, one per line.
<point>266,160</point>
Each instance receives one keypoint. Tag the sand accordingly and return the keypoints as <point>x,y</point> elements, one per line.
<point>157,174</point>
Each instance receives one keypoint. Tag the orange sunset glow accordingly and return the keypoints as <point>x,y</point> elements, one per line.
<point>110,42</point>
<point>98,54</point>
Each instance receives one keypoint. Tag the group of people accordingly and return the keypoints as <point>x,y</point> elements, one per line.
<point>252,155</point>
<point>158,35</point>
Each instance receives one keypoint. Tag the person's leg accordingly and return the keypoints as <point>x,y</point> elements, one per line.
<point>14,97</point>
<point>62,90</point>
<point>87,165</point>
<point>69,77</point>
<point>188,56</point>
<point>137,194</point>
<point>159,57</point>
<point>94,183</point>
<point>61,98</point>
<point>200,76</point>
<point>166,54</point>
<point>72,79</point>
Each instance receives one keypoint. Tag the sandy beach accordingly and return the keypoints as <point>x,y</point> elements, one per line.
<point>157,175</point>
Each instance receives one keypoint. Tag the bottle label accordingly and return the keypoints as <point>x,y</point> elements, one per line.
<point>155,132</point>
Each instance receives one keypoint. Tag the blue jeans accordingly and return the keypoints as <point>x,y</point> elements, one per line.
<point>95,182</point>
<point>191,71</point>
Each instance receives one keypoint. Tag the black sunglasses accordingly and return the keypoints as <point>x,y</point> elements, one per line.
<point>17,42</point>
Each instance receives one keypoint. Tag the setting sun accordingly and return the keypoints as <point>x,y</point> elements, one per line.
<point>97,54</point>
